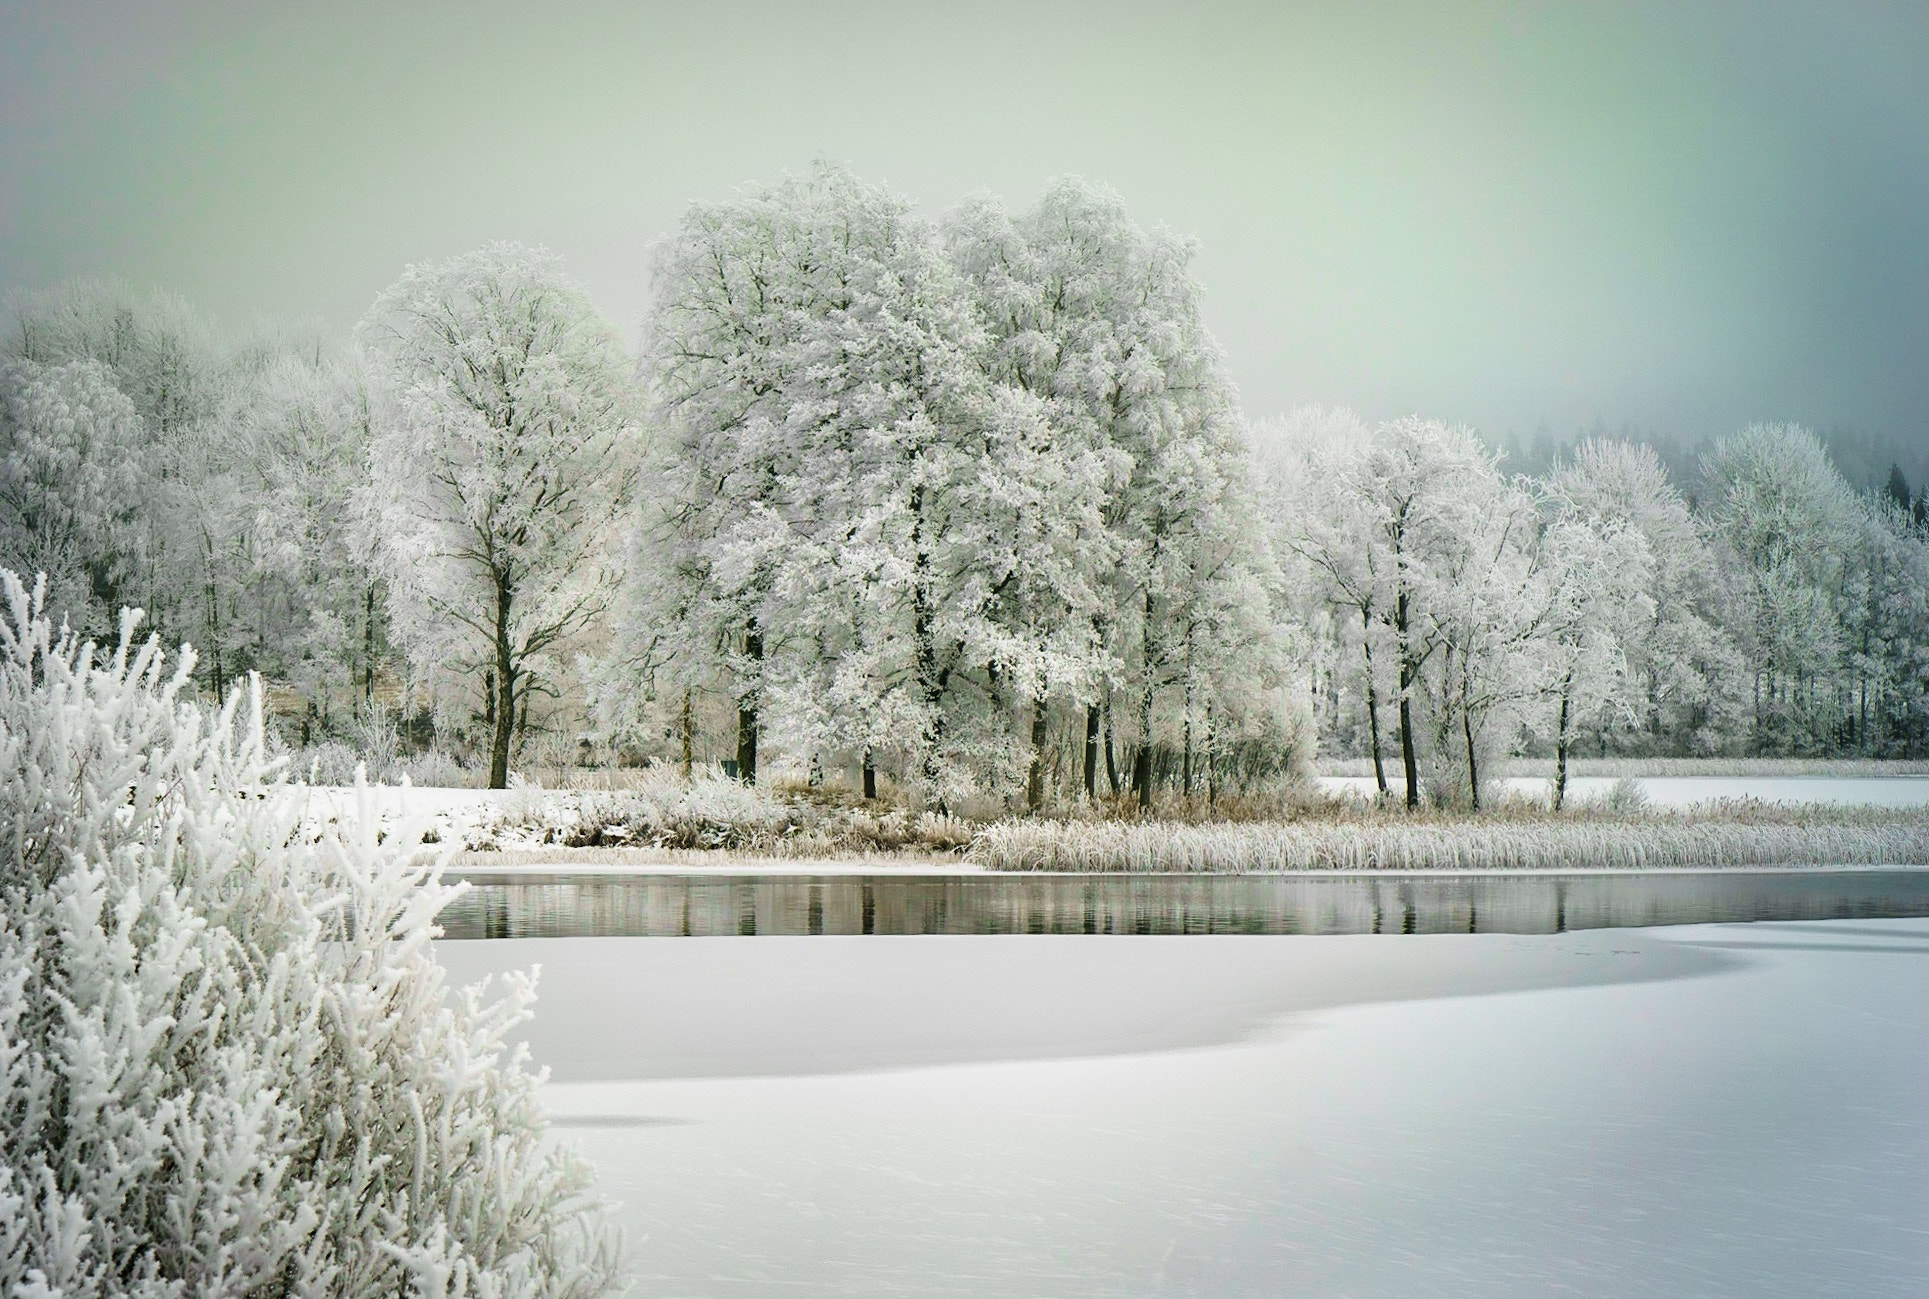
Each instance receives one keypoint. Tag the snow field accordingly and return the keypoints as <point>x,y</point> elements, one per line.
<point>1716,1110</point>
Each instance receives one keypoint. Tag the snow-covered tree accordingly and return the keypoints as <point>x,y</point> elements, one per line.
<point>502,455</point>
<point>1884,606</point>
<point>1100,319</point>
<point>70,482</point>
<point>1422,487</point>
<point>229,1064</point>
<point>1687,681</point>
<point>810,354</point>
<point>1786,518</point>
<point>168,362</point>
<point>310,606</point>
<point>1324,519</point>
<point>1595,577</point>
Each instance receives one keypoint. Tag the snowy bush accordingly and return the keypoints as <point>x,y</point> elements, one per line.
<point>229,1064</point>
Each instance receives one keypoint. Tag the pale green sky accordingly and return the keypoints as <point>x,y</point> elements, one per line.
<point>1680,216</point>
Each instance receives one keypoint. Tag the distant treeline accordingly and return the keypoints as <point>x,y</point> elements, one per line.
<point>965,505</point>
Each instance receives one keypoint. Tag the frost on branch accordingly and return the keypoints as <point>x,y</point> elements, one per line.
<point>228,1062</point>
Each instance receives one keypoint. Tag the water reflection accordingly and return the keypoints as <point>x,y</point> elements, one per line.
<point>709,905</point>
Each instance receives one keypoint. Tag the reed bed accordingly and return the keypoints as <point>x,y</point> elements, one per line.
<point>1662,767</point>
<point>1646,844</point>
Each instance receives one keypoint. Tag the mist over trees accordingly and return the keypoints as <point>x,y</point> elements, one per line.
<point>965,505</point>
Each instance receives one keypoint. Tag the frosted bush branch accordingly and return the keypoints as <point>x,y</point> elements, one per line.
<point>228,1061</point>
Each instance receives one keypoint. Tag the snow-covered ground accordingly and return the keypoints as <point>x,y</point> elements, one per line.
<point>1706,1110</point>
<point>1684,791</point>
<point>518,820</point>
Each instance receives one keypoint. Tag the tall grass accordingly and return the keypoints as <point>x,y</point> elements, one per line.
<point>1638,767</point>
<point>1466,844</point>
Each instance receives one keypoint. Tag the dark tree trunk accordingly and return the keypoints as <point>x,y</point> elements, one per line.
<point>687,728</point>
<point>1560,747</point>
<point>753,648</point>
<point>1473,769</point>
<point>1372,703</point>
<point>502,703</point>
<point>1212,767</point>
<point>870,776</point>
<point>1111,758</point>
<point>368,648</point>
<point>1409,675</point>
<point>1091,751</point>
<point>1035,783</point>
<point>931,678</point>
<point>1142,763</point>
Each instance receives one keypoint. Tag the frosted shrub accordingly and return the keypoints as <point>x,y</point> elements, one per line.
<point>436,769</point>
<point>228,1063</point>
<point>329,763</point>
<point>711,811</point>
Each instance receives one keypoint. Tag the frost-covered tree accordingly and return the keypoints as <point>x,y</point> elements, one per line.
<point>1786,519</point>
<point>168,362</point>
<point>229,1064</point>
<point>1687,682</point>
<point>1595,578</point>
<point>1484,598</point>
<point>502,453</point>
<point>1324,518</point>
<point>309,612</point>
<point>1885,623</point>
<point>70,484</point>
<point>1422,486</point>
<point>810,355</point>
<point>1099,319</point>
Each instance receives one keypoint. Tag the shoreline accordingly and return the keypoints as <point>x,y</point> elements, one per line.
<point>784,868</point>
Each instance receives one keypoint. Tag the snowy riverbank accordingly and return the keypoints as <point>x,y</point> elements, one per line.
<point>718,827</point>
<point>1718,1110</point>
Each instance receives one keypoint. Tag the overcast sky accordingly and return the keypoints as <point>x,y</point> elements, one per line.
<point>1679,218</point>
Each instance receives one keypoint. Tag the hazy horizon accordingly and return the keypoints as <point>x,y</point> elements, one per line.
<point>1667,219</point>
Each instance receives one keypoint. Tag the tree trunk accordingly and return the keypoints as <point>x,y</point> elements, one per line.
<point>753,648</point>
<point>1212,760</point>
<point>1035,783</point>
<point>1142,762</point>
<point>502,702</point>
<point>924,642</point>
<point>368,648</point>
<point>1185,760</point>
<point>1473,769</point>
<point>1111,761</point>
<point>1372,703</point>
<point>1409,763</point>
<point>1560,746</point>
<point>870,776</point>
<point>1091,751</point>
<point>1409,674</point>
<point>687,733</point>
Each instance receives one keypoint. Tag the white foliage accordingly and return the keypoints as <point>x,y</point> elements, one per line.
<point>500,463</point>
<point>69,480</point>
<point>228,1061</point>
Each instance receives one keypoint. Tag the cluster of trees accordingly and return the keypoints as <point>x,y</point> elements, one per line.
<point>966,500</point>
<point>966,503</point>
<point>146,462</point>
<point>1462,612</point>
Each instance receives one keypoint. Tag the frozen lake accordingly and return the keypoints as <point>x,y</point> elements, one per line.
<point>554,905</point>
<point>1712,1110</point>
<point>1684,791</point>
